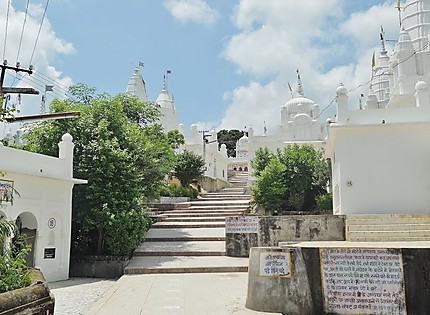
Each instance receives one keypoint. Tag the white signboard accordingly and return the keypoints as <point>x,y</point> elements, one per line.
<point>241,224</point>
<point>275,264</point>
<point>362,281</point>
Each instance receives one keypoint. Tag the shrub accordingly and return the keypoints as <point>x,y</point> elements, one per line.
<point>290,179</point>
<point>325,202</point>
<point>14,273</point>
<point>270,188</point>
<point>189,167</point>
<point>178,191</point>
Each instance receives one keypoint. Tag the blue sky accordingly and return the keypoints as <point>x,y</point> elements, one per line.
<point>231,61</point>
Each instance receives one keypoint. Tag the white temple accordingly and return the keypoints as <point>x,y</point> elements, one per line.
<point>299,124</point>
<point>380,154</point>
<point>216,159</point>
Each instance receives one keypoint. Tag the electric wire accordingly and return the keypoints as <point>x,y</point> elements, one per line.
<point>6,29</point>
<point>38,33</point>
<point>22,31</point>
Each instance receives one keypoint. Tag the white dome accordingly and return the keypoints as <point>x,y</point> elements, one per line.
<point>293,105</point>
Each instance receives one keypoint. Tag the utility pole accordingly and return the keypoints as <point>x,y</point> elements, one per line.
<point>3,89</point>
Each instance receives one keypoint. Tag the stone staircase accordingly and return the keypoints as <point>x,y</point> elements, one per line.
<point>388,228</point>
<point>191,238</point>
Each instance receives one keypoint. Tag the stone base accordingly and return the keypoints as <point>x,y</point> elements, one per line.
<point>109,267</point>
<point>35,299</point>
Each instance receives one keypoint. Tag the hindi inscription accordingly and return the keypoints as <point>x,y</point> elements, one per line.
<point>362,281</point>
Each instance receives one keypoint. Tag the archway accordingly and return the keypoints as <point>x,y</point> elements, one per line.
<point>246,169</point>
<point>27,224</point>
<point>240,169</point>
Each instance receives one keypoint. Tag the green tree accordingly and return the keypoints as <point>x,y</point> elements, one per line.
<point>175,138</point>
<point>305,176</point>
<point>189,167</point>
<point>229,138</point>
<point>261,159</point>
<point>124,155</point>
<point>270,188</point>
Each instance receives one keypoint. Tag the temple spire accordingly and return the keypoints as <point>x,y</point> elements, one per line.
<point>300,92</point>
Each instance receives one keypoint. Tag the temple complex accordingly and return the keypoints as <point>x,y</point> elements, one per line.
<point>379,153</point>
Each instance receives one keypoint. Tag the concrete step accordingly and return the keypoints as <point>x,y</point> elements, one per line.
<point>199,248</point>
<point>195,214</point>
<point>219,207</point>
<point>387,219</point>
<point>224,197</point>
<point>192,219</point>
<point>389,227</point>
<point>169,225</point>
<point>203,211</point>
<point>185,234</point>
<point>218,203</point>
<point>186,264</point>
<point>385,235</point>
<point>388,239</point>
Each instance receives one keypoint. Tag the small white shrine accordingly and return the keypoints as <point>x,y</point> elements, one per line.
<point>380,153</point>
<point>41,187</point>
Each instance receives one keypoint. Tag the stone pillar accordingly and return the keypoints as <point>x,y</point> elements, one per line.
<point>342,103</point>
<point>422,94</point>
<point>66,153</point>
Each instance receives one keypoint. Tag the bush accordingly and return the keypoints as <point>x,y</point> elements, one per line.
<point>270,188</point>
<point>14,273</point>
<point>325,202</point>
<point>291,178</point>
<point>189,167</point>
<point>174,191</point>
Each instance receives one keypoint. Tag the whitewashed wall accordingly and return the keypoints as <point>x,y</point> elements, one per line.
<point>44,202</point>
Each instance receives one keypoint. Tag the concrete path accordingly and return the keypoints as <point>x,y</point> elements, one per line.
<point>176,294</point>
<point>77,295</point>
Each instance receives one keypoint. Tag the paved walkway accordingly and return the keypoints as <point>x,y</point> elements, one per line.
<point>77,295</point>
<point>176,294</point>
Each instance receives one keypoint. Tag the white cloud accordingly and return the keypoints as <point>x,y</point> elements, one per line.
<point>48,47</point>
<point>191,11</point>
<point>276,37</point>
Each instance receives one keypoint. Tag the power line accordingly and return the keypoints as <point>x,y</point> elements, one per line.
<point>6,29</point>
<point>22,31</point>
<point>38,33</point>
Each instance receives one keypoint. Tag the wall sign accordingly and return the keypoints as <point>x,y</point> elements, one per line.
<point>275,265</point>
<point>6,191</point>
<point>49,253</point>
<point>52,223</point>
<point>362,281</point>
<point>246,224</point>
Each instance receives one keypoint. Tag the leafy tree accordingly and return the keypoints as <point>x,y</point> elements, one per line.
<point>229,138</point>
<point>261,159</point>
<point>175,138</point>
<point>189,167</point>
<point>124,155</point>
<point>270,188</point>
<point>305,175</point>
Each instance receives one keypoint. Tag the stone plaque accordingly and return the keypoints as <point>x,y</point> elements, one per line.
<point>362,281</point>
<point>241,224</point>
<point>49,253</point>
<point>275,264</point>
